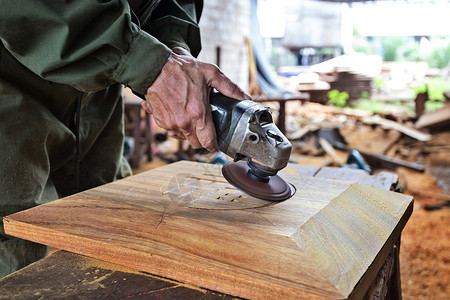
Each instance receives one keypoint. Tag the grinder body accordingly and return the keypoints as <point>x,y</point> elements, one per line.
<point>245,129</point>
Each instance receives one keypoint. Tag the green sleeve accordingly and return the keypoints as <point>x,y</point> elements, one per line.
<point>86,44</point>
<point>179,28</point>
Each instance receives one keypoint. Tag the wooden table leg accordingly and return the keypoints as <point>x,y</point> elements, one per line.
<point>395,290</point>
<point>282,117</point>
<point>148,136</point>
<point>137,136</point>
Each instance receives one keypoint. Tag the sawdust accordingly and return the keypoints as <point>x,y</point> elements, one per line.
<point>93,266</point>
<point>425,245</point>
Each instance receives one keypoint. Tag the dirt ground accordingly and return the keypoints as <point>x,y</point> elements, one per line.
<point>425,242</point>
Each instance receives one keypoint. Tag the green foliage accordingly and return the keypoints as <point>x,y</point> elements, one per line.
<point>439,57</point>
<point>382,107</point>
<point>420,88</point>
<point>378,82</point>
<point>370,106</point>
<point>433,105</point>
<point>407,49</point>
<point>368,50</point>
<point>434,87</point>
<point>409,52</point>
<point>391,46</point>
<point>338,98</point>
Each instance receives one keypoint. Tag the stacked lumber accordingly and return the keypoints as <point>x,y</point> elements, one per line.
<point>352,83</point>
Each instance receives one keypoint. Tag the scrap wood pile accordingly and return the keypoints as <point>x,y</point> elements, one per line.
<point>324,135</point>
<point>315,129</point>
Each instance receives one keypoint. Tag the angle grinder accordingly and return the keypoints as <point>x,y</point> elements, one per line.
<point>246,131</point>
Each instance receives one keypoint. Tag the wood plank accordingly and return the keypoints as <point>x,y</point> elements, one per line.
<point>184,221</point>
<point>435,119</point>
<point>418,135</point>
<point>306,170</point>
<point>328,148</point>
<point>370,140</point>
<point>66,275</point>
<point>383,180</point>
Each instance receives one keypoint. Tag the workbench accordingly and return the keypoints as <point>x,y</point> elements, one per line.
<point>69,275</point>
<point>133,111</point>
<point>281,100</point>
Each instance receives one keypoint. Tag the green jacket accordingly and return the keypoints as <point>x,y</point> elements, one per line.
<point>90,44</point>
<point>55,54</point>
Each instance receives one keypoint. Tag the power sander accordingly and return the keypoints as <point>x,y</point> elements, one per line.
<point>246,131</point>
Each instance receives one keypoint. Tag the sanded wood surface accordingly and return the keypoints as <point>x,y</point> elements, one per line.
<point>184,221</point>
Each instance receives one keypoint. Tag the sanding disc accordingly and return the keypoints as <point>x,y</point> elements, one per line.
<point>276,189</point>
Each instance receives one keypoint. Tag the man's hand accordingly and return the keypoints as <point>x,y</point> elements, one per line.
<point>179,98</point>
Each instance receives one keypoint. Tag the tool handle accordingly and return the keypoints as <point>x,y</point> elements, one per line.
<point>226,114</point>
<point>222,110</point>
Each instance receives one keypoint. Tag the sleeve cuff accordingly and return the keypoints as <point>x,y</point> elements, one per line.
<point>142,63</point>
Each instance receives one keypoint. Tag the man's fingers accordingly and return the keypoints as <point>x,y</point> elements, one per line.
<point>227,87</point>
<point>146,107</point>
<point>176,135</point>
<point>204,137</point>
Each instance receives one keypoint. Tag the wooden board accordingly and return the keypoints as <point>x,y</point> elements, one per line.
<point>435,119</point>
<point>370,140</point>
<point>66,275</point>
<point>184,221</point>
<point>383,180</point>
<point>416,134</point>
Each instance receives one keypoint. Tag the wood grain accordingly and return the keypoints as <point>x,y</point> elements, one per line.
<point>184,221</point>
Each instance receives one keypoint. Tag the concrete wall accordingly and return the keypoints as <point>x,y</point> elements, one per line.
<point>311,23</point>
<point>224,25</point>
